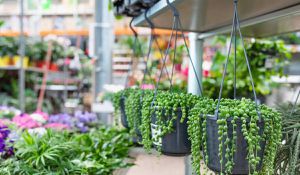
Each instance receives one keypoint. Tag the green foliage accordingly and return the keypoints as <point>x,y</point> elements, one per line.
<point>245,112</point>
<point>117,99</point>
<point>166,108</point>
<point>133,110</point>
<point>259,52</point>
<point>289,38</point>
<point>138,48</point>
<point>103,151</point>
<point>38,50</point>
<point>287,157</point>
<point>8,46</point>
<point>98,152</point>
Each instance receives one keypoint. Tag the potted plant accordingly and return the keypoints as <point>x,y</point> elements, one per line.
<point>119,105</point>
<point>164,122</point>
<point>38,53</point>
<point>236,140</point>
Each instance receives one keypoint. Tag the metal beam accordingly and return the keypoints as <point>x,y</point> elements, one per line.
<point>259,18</point>
<point>103,45</point>
<point>196,51</point>
<point>22,54</point>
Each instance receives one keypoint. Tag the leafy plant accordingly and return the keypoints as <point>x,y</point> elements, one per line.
<point>269,59</point>
<point>8,46</point>
<point>38,50</point>
<point>102,151</point>
<point>97,152</point>
<point>241,112</point>
<point>287,159</point>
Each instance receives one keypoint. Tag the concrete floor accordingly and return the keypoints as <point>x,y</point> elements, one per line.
<point>154,164</point>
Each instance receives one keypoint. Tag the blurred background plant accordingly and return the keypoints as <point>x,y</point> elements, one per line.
<point>267,58</point>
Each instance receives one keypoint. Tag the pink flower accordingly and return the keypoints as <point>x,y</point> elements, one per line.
<point>147,86</point>
<point>25,121</point>
<point>57,126</point>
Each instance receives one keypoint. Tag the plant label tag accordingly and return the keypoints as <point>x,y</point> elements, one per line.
<point>156,131</point>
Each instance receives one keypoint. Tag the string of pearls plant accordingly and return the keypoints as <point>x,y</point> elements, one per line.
<point>238,112</point>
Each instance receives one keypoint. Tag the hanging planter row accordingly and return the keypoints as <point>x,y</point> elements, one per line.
<point>231,136</point>
<point>237,142</point>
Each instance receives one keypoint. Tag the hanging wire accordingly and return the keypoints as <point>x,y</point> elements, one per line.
<point>225,67</point>
<point>247,61</point>
<point>176,26</point>
<point>152,39</point>
<point>234,66</point>
<point>174,57</point>
<point>164,62</point>
<point>135,44</point>
<point>236,25</point>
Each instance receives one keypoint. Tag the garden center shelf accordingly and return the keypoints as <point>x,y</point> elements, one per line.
<point>259,18</point>
<point>31,69</point>
<point>59,87</point>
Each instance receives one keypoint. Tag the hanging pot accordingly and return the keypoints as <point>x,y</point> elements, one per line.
<point>123,114</point>
<point>137,139</point>
<point>175,143</point>
<point>240,156</point>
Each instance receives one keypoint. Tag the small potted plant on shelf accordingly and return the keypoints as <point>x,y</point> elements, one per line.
<point>38,53</point>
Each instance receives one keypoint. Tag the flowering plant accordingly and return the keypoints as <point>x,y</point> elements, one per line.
<point>25,121</point>
<point>8,112</point>
<point>81,121</point>
<point>5,149</point>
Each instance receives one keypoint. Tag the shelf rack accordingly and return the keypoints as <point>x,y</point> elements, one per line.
<point>259,18</point>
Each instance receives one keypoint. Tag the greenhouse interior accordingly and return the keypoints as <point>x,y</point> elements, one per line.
<point>149,87</point>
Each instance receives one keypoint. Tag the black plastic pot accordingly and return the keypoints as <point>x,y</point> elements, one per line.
<point>123,113</point>
<point>175,143</point>
<point>240,161</point>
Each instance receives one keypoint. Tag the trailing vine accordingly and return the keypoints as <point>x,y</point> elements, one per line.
<point>133,109</point>
<point>166,108</point>
<point>117,99</point>
<point>233,113</point>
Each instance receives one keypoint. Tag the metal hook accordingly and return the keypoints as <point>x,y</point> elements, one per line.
<point>173,8</point>
<point>132,29</point>
<point>148,20</point>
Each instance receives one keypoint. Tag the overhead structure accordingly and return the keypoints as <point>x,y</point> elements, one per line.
<point>259,18</point>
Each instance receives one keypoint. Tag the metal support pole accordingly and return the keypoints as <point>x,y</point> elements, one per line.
<point>196,50</point>
<point>188,165</point>
<point>104,39</point>
<point>22,54</point>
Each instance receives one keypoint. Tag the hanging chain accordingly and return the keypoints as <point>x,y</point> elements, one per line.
<point>134,49</point>
<point>176,26</point>
<point>236,25</point>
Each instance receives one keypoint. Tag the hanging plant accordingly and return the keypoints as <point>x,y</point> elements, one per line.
<point>119,105</point>
<point>238,125</point>
<point>236,136</point>
<point>164,118</point>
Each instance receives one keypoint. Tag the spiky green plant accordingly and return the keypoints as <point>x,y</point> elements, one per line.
<point>287,161</point>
